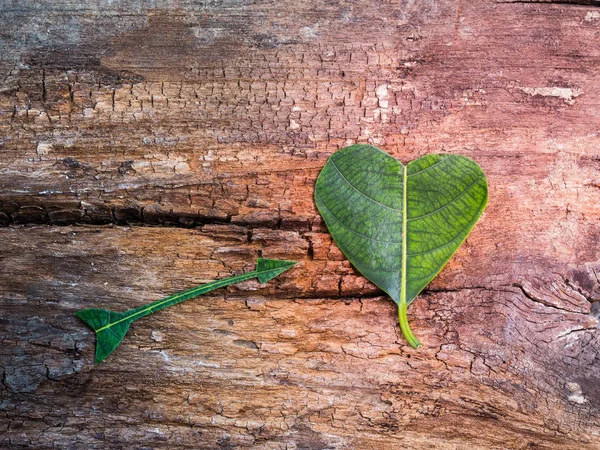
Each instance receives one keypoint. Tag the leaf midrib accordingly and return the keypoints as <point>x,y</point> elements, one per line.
<point>404,237</point>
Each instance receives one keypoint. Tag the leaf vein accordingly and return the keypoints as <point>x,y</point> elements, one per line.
<point>360,192</point>
<point>427,168</point>
<point>449,203</point>
<point>350,229</point>
<point>436,248</point>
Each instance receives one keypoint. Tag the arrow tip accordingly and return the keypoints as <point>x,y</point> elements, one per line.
<point>269,268</point>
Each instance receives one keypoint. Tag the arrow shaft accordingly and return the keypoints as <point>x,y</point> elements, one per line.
<point>142,311</point>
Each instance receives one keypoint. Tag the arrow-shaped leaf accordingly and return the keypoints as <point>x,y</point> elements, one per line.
<point>111,326</point>
<point>399,225</point>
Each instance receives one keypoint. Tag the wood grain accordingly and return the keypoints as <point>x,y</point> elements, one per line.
<point>147,150</point>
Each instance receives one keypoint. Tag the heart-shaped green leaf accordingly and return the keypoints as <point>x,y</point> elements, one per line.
<point>399,225</point>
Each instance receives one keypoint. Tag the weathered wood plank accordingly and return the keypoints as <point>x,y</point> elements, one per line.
<point>288,362</point>
<point>208,124</point>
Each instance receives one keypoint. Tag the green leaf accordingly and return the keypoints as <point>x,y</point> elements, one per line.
<point>110,329</point>
<point>399,225</point>
<point>111,326</point>
<point>267,269</point>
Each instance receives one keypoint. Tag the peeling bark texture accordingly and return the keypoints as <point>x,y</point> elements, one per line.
<point>147,147</point>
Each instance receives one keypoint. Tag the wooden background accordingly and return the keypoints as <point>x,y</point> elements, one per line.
<point>146,147</point>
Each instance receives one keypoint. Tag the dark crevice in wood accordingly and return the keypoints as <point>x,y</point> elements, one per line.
<point>127,215</point>
<point>6,220</point>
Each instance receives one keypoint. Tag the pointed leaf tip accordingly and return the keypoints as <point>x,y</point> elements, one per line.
<point>267,269</point>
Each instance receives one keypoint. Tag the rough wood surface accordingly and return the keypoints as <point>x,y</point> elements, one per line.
<point>145,149</point>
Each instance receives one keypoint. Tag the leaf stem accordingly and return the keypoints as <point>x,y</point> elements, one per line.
<point>406,331</point>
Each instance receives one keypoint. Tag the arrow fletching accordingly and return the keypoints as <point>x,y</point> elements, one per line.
<point>110,329</point>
